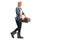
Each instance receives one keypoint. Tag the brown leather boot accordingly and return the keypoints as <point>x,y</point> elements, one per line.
<point>12,34</point>
<point>19,36</point>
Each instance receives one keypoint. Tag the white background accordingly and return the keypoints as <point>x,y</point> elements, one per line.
<point>45,19</point>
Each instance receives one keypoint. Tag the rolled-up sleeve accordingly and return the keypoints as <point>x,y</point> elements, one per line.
<point>23,13</point>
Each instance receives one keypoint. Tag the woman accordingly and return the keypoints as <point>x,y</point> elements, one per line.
<point>19,14</point>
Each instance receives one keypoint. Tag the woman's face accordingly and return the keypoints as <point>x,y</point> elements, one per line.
<point>19,4</point>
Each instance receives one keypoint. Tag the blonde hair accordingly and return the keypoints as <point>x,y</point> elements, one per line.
<point>19,2</point>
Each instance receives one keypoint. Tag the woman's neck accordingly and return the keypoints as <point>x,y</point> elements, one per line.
<point>19,7</point>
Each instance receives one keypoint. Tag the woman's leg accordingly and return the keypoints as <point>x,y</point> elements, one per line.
<point>14,32</point>
<point>19,30</point>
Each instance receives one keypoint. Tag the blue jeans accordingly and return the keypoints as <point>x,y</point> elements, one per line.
<point>19,24</point>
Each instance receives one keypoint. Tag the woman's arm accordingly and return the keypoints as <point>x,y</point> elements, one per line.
<point>23,14</point>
